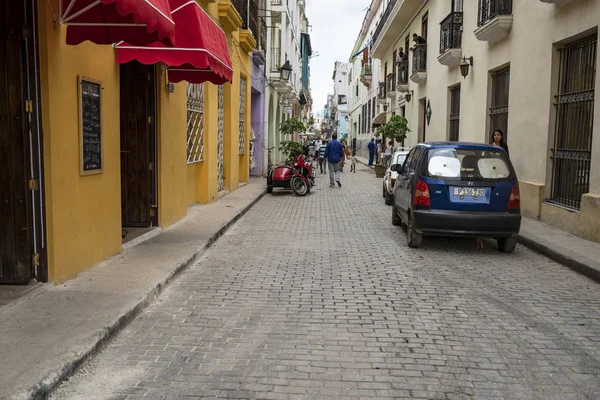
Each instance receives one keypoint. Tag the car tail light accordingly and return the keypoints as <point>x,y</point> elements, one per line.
<point>421,197</point>
<point>514,202</point>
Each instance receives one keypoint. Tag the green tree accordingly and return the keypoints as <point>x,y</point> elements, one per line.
<point>292,150</point>
<point>396,128</point>
<point>289,126</point>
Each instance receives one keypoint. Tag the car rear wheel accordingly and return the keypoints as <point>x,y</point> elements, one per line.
<point>396,220</point>
<point>383,190</point>
<point>507,245</point>
<point>389,199</point>
<point>413,238</point>
<point>269,189</point>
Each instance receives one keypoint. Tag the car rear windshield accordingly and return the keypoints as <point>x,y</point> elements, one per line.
<point>468,164</point>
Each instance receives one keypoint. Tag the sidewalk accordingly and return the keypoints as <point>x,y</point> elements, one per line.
<point>572,251</point>
<point>45,336</point>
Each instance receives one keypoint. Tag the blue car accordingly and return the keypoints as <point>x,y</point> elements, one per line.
<point>458,189</point>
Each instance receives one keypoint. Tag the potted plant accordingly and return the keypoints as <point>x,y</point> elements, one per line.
<point>397,129</point>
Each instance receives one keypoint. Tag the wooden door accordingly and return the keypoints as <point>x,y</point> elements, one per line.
<point>138,138</point>
<point>16,228</point>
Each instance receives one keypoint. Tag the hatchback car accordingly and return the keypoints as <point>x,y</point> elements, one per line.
<point>458,189</point>
<point>390,176</point>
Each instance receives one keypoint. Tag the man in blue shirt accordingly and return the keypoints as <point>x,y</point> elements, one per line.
<point>334,153</point>
<point>371,147</point>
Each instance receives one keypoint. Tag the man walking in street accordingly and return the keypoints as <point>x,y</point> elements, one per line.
<point>334,153</point>
<point>371,147</point>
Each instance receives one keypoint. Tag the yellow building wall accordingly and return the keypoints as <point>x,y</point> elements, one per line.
<point>83,213</point>
<point>172,152</point>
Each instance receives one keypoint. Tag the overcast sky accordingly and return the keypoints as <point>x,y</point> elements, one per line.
<point>335,26</point>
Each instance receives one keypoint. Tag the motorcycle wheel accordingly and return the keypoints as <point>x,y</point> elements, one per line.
<point>299,186</point>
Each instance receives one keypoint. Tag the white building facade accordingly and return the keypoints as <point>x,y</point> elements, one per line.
<point>364,104</point>
<point>286,22</point>
<point>530,70</point>
<point>341,87</point>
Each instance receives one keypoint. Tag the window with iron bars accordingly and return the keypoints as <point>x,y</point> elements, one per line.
<point>572,151</point>
<point>454,116</point>
<point>242,125</point>
<point>195,123</point>
<point>499,106</point>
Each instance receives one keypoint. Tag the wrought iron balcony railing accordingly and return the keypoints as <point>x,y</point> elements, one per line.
<point>402,73</point>
<point>384,18</point>
<point>490,9</point>
<point>451,32</point>
<point>419,59</point>
<point>366,70</point>
<point>248,10</point>
<point>276,2</point>
<point>391,83</point>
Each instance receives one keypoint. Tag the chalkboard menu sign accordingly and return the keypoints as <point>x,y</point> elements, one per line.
<point>91,157</point>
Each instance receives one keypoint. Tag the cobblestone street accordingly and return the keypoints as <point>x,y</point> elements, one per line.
<point>320,297</point>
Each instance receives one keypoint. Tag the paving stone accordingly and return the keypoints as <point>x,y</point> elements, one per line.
<point>320,297</point>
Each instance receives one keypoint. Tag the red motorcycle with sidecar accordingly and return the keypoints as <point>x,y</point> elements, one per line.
<point>300,176</point>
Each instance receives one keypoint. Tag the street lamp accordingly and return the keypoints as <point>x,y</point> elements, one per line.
<point>464,66</point>
<point>285,71</point>
<point>408,96</point>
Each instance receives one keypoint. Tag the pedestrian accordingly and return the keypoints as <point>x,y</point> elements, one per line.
<point>353,162</point>
<point>334,153</point>
<point>498,140</point>
<point>419,41</point>
<point>403,66</point>
<point>379,154</point>
<point>371,147</point>
<point>388,153</point>
<point>322,160</point>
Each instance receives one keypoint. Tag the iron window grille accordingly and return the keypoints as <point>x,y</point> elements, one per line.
<point>572,151</point>
<point>499,106</point>
<point>221,139</point>
<point>242,124</point>
<point>454,117</point>
<point>451,32</point>
<point>419,58</point>
<point>195,123</point>
<point>490,9</point>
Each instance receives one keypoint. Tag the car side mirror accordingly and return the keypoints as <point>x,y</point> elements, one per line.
<point>396,167</point>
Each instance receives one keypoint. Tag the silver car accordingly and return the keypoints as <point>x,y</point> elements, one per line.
<point>390,176</point>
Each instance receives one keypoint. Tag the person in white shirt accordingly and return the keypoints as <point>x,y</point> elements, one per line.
<point>388,153</point>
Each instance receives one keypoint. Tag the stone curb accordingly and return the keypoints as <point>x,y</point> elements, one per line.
<point>47,385</point>
<point>572,262</point>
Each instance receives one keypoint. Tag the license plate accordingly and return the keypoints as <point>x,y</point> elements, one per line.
<point>469,192</point>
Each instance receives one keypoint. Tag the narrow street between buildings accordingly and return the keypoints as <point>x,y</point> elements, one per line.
<point>320,297</point>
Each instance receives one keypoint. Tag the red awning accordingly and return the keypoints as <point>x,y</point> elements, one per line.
<point>110,21</point>
<point>201,54</point>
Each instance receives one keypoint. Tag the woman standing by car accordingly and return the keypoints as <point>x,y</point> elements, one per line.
<point>498,140</point>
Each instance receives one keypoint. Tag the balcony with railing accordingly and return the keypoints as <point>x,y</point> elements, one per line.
<point>390,83</point>
<point>366,74</point>
<point>386,15</point>
<point>402,76</point>
<point>251,21</point>
<point>451,39</point>
<point>419,64</point>
<point>382,91</point>
<point>494,20</point>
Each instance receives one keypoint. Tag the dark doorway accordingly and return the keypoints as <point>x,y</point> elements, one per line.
<point>138,145</point>
<point>20,172</point>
